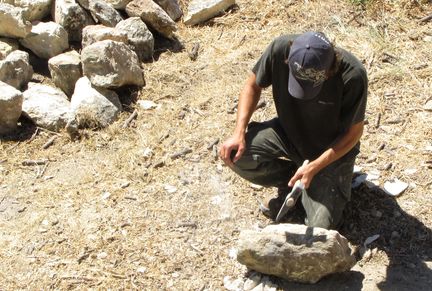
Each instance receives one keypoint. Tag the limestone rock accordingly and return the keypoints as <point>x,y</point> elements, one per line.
<point>102,12</point>
<point>118,4</point>
<point>153,15</point>
<point>15,69</point>
<point>95,33</point>
<point>10,107</point>
<point>34,9</point>
<point>111,64</point>
<point>46,106</point>
<point>295,252</point>
<point>202,10</point>
<point>72,17</point>
<point>65,71</point>
<point>139,37</point>
<point>11,2</point>
<point>94,107</point>
<point>7,45</point>
<point>47,40</point>
<point>12,22</point>
<point>171,7</point>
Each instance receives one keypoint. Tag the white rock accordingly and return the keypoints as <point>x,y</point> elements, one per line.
<point>395,187</point>
<point>47,40</point>
<point>153,15</point>
<point>7,45</point>
<point>202,10</point>
<point>147,104</point>
<point>139,37</point>
<point>357,169</point>
<point>410,171</point>
<point>252,281</point>
<point>118,4</point>
<point>10,107</point>
<point>102,255</point>
<point>46,106</point>
<point>103,12</point>
<point>72,17</point>
<point>12,22</point>
<point>95,33</point>
<point>171,7</point>
<point>65,70</point>
<point>170,189</point>
<point>111,64</point>
<point>34,9</point>
<point>106,195</point>
<point>94,107</point>
<point>428,106</point>
<point>233,285</point>
<point>15,69</point>
<point>141,270</point>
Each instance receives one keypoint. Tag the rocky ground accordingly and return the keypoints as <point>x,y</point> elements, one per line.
<point>151,207</point>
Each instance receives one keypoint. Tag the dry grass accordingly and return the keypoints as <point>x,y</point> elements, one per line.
<point>103,215</point>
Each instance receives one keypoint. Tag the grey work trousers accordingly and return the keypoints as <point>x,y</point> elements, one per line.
<point>270,159</point>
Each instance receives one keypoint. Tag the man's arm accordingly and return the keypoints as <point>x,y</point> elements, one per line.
<point>345,143</point>
<point>248,101</point>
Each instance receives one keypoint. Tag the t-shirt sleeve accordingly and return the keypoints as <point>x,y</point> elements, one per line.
<point>354,99</point>
<point>263,68</point>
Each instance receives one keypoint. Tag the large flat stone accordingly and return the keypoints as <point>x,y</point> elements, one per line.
<point>202,10</point>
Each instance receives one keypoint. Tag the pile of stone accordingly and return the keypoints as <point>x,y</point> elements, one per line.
<point>116,37</point>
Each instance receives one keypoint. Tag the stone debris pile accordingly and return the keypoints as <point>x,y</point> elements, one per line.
<point>116,37</point>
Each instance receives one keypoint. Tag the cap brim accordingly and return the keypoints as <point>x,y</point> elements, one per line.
<point>304,90</point>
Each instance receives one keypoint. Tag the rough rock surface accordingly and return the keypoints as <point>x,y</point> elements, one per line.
<point>111,64</point>
<point>102,12</point>
<point>65,70</point>
<point>95,33</point>
<point>12,22</point>
<point>153,15</point>
<point>47,40</point>
<point>171,7</point>
<point>10,107</point>
<point>46,106</point>
<point>34,9</point>
<point>295,252</point>
<point>72,17</point>
<point>7,45</point>
<point>94,107</point>
<point>139,37</point>
<point>15,69</point>
<point>118,4</point>
<point>202,10</point>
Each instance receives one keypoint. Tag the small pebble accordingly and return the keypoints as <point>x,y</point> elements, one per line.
<point>106,195</point>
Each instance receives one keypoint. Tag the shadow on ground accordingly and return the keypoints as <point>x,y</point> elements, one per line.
<point>406,241</point>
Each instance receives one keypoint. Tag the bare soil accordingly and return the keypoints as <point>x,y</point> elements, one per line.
<point>118,210</point>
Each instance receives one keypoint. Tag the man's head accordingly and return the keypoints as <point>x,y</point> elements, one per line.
<point>310,60</point>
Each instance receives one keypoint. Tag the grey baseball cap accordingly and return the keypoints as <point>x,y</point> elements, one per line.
<point>311,56</point>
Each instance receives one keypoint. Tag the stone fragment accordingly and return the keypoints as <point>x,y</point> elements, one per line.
<point>12,22</point>
<point>72,17</point>
<point>153,15</point>
<point>15,69</point>
<point>10,107</point>
<point>94,107</point>
<point>395,187</point>
<point>47,40</point>
<point>7,45</point>
<point>118,4</point>
<point>202,10</point>
<point>111,64</point>
<point>139,37</point>
<point>171,7</point>
<point>428,106</point>
<point>34,9</point>
<point>102,12</point>
<point>295,252</point>
<point>46,106</point>
<point>95,33</point>
<point>65,70</point>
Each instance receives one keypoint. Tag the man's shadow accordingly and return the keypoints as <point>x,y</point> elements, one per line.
<point>406,241</point>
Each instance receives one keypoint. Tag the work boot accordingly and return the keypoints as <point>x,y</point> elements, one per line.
<point>271,204</point>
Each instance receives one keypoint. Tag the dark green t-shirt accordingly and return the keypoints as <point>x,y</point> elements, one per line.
<point>314,125</point>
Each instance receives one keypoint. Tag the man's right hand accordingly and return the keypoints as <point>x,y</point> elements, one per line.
<point>236,142</point>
